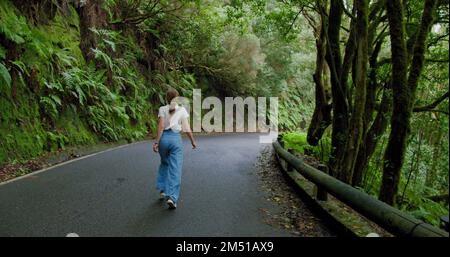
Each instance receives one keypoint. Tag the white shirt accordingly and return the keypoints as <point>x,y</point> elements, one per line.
<point>176,121</point>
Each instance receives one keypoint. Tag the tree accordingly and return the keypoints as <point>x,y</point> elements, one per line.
<point>321,118</point>
<point>92,16</point>
<point>353,92</point>
<point>404,87</point>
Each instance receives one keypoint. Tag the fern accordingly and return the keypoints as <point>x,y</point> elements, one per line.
<point>56,86</point>
<point>56,140</point>
<point>110,44</point>
<point>50,105</point>
<point>21,67</point>
<point>79,94</point>
<point>56,99</point>
<point>108,38</point>
<point>64,59</point>
<point>104,57</point>
<point>13,27</point>
<point>5,78</point>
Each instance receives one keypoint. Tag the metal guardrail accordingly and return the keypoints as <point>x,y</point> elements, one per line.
<point>386,216</point>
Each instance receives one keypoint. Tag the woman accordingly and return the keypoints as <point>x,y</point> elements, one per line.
<point>172,120</point>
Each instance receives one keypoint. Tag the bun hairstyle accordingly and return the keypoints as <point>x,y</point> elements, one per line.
<point>171,94</point>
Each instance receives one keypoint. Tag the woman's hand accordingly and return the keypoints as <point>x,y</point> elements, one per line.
<point>155,147</point>
<point>191,138</point>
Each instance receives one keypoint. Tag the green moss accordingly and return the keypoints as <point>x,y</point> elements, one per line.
<point>75,130</point>
<point>20,143</point>
<point>45,49</point>
<point>63,101</point>
<point>20,128</point>
<point>298,142</point>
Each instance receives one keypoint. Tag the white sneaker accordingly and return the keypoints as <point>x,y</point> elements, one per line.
<point>171,204</point>
<point>162,196</point>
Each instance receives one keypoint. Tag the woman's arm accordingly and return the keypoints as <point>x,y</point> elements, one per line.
<point>187,128</point>
<point>158,136</point>
<point>191,137</point>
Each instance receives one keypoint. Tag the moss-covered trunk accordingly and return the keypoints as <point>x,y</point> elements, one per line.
<point>338,91</point>
<point>92,16</point>
<point>372,137</point>
<point>360,83</point>
<point>372,130</point>
<point>321,118</point>
<point>404,89</point>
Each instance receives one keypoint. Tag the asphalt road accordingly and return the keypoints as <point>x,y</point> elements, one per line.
<point>113,194</point>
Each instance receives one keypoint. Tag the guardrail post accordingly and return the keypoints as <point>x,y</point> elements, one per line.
<point>321,194</point>
<point>289,167</point>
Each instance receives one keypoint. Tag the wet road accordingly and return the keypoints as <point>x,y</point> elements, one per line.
<point>113,194</point>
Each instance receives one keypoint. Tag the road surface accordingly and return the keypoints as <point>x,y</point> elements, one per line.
<point>113,194</point>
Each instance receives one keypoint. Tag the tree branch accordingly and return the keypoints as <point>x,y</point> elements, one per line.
<point>347,12</point>
<point>430,107</point>
<point>293,21</point>
<point>437,60</point>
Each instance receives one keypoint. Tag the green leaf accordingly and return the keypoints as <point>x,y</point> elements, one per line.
<point>49,106</point>
<point>4,75</point>
<point>2,52</point>
<point>56,99</point>
<point>80,94</point>
<point>21,66</point>
<point>111,44</point>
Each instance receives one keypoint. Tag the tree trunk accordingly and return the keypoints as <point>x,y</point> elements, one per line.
<point>91,16</point>
<point>39,11</point>
<point>338,91</point>
<point>404,91</point>
<point>372,136</point>
<point>400,115</point>
<point>321,118</point>
<point>431,171</point>
<point>349,57</point>
<point>356,122</point>
<point>365,151</point>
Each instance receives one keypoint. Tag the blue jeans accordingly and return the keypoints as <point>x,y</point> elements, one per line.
<point>169,173</point>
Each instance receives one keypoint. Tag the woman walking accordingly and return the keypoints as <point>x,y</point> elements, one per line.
<point>173,119</point>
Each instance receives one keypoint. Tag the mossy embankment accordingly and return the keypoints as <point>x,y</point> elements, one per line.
<point>51,98</point>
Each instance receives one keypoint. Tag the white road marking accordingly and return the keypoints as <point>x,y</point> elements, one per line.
<point>67,162</point>
<point>77,159</point>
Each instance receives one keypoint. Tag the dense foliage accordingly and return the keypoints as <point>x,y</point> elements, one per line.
<point>82,72</point>
<point>67,84</point>
<point>381,83</point>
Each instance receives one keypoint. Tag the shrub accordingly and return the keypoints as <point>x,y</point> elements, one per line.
<point>297,141</point>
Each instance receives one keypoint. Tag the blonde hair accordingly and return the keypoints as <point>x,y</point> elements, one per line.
<point>171,94</point>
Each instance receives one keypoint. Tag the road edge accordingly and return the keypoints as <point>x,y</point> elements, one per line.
<point>69,161</point>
